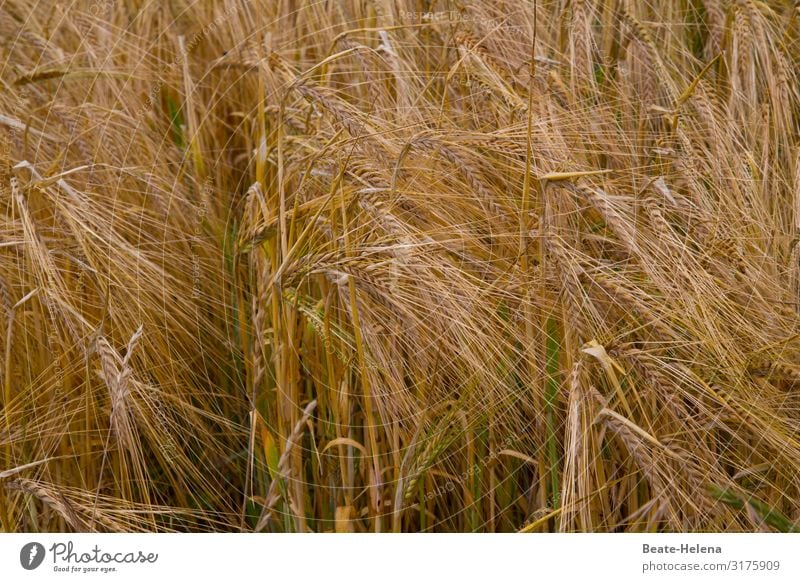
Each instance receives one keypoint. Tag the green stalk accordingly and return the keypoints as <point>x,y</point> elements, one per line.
<point>553,348</point>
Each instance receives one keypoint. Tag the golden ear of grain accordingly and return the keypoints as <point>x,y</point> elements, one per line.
<point>52,499</point>
<point>581,42</point>
<point>578,471</point>
<point>273,496</point>
<point>117,372</point>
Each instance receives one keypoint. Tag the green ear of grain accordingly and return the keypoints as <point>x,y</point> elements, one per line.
<point>176,121</point>
<point>770,515</point>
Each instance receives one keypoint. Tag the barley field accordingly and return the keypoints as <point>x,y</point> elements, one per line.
<point>399,265</point>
